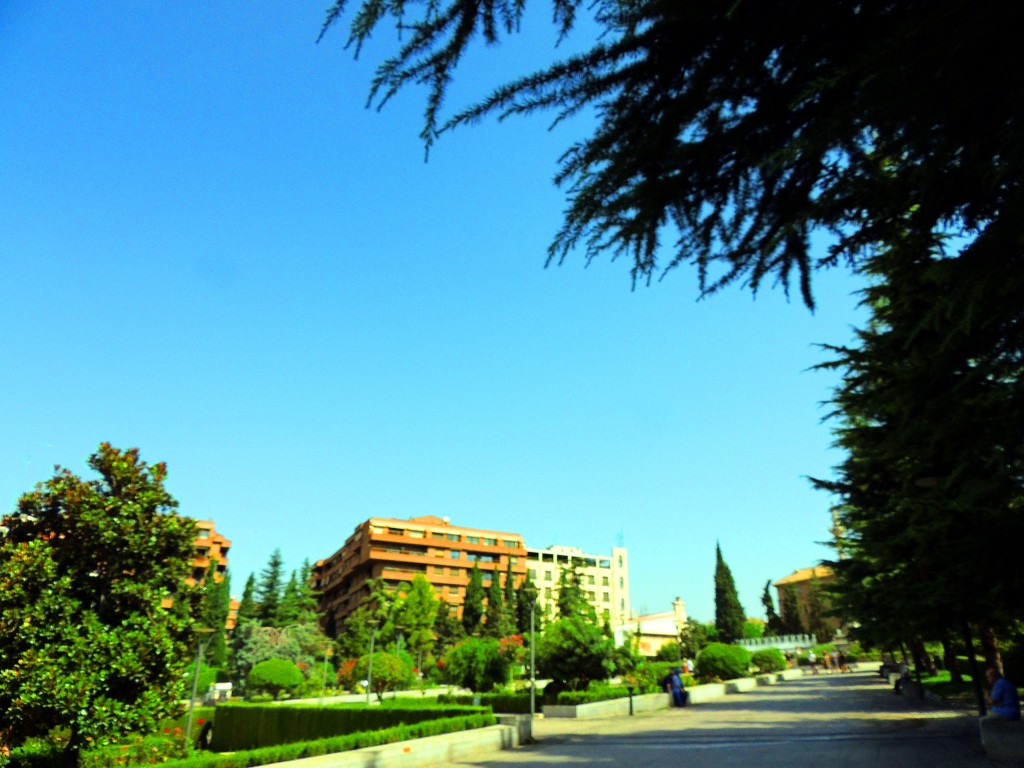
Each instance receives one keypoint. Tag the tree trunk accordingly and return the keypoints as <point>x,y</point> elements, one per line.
<point>990,648</point>
<point>949,659</point>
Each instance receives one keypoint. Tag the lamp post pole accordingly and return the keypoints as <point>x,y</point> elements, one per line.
<point>533,664</point>
<point>369,666</point>
<point>323,683</point>
<point>205,635</point>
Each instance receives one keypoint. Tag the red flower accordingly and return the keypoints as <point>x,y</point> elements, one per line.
<point>200,721</point>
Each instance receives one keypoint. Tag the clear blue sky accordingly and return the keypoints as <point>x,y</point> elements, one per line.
<point>210,250</point>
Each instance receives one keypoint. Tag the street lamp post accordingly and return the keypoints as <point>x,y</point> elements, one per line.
<point>369,666</point>
<point>533,664</point>
<point>205,635</point>
<point>323,682</point>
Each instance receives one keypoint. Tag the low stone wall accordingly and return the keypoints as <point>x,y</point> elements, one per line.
<point>741,685</point>
<point>1003,740</point>
<point>463,746</point>
<point>646,702</point>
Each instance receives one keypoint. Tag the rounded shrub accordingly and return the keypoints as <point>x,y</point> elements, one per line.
<point>768,660</point>
<point>274,676</point>
<point>725,662</point>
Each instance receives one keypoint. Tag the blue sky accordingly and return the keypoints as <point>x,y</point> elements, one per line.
<point>210,250</point>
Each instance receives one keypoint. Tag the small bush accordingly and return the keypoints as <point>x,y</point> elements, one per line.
<point>724,662</point>
<point>768,660</point>
<point>505,703</point>
<point>275,676</point>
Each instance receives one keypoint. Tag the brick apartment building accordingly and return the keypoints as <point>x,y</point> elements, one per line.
<point>396,550</point>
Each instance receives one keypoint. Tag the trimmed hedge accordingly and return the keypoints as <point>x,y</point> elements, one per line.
<point>768,660</point>
<point>506,703</point>
<point>725,662</point>
<point>252,726</point>
<point>359,740</point>
<point>601,693</point>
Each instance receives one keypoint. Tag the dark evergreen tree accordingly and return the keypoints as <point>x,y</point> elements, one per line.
<point>473,605</point>
<point>526,600</point>
<point>247,605</point>
<point>214,608</point>
<point>496,624</point>
<point>288,607</point>
<point>511,598</point>
<point>572,599</point>
<point>268,591</point>
<point>729,616</point>
<point>792,614</point>
<point>743,129</point>
<point>773,622</point>
<point>448,629</point>
<point>246,616</point>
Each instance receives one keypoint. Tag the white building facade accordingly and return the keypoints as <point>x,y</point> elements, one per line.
<point>604,579</point>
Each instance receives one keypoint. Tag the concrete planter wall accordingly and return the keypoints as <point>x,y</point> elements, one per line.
<point>707,692</point>
<point>740,685</point>
<point>612,708</point>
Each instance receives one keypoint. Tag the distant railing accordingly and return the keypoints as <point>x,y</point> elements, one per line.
<point>782,642</point>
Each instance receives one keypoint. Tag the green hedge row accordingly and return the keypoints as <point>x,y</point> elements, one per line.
<point>506,703</point>
<point>360,740</point>
<point>251,726</point>
<point>602,693</point>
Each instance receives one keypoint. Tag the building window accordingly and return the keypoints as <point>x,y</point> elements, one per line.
<point>376,529</point>
<point>547,575</point>
<point>605,564</point>
<point>532,573</point>
<point>416,534</point>
<point>620,561</point>
<point>490,542</point>
<point>396,531</point>
<point>472,539</point>
<point>454,571</point>
<point>455,554</point>
<point>453,537</point>
<point>591,596</point>
<point>604,581</point>
<point>590,580</point>
<point>621,583</point>
<point>622,606</point>
<point>511,544</point>
<point>513,559</point>
<point>605,597</point>
<point>204,533</point>
<point>437,535</point>
<point>547,592</point>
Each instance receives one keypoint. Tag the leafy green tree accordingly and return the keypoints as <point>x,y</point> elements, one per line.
<point>353,639</point>
<point>693,638</point>
<point>473,605</point>
<point>268,591</point>
<point>84,651</point>
<point>723,661</point>
<point>729,615</point>
<point>575,651</point>
<point>418,612</point>
<point>742,130</point>
<point>476,663</point>
<point>275,676</point>
<point>390,672</point>
<point>753,629</point>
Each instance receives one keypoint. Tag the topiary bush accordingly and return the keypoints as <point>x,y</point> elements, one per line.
<point>768,660</point>
<point>275,676</point>
<point>723,662</point>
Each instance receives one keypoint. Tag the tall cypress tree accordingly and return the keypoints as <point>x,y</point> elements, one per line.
<point>773,622</point>
<point>496,625</point>
<point>728,611</point>
<point>526,599</point>
<point>268,591</point>
<point>473,605</point>
<point>511,598</point>
<point>213,613</point>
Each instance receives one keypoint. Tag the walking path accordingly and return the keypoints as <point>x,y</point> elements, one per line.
<point>833,721</point>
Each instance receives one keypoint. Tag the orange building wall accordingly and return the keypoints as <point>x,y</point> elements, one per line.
<point>396,550</point>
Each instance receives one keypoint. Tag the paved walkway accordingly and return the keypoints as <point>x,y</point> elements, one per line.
<point>823,721</point>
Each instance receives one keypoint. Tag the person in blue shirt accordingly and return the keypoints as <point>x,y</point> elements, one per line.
<point>1002,696</point>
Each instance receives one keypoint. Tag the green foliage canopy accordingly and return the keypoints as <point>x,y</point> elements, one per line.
<point>86,646</point>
